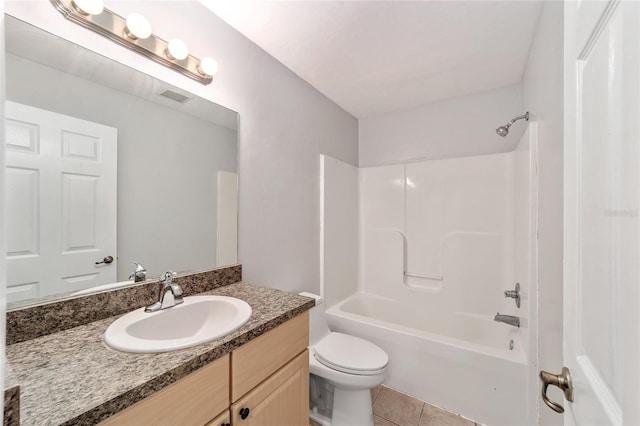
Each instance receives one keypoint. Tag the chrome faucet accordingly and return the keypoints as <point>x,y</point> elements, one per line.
<point>166,285</point>
<point>139,274</point>
<point>508,319</point>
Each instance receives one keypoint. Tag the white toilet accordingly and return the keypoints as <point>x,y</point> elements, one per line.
<point>351,364</point>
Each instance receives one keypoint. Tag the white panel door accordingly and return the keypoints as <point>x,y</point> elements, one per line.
<point>602,194</point>
<point>61,202</point>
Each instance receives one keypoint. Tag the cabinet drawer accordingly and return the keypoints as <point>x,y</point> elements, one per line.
<point>260,358</point>
<point>192,400</point>
<point>282,399</point>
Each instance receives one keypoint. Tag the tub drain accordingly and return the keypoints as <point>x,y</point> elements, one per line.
<point>511,345</point>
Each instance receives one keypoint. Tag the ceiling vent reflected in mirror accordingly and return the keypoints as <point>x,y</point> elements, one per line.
<point>175,96</point>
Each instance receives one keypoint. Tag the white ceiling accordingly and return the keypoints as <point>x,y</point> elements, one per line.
<point>372,57</point>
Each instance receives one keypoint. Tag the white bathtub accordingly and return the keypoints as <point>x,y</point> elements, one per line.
<point>460,362</point>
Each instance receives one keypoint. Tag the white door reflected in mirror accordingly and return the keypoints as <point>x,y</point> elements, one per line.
<point>61,198</point>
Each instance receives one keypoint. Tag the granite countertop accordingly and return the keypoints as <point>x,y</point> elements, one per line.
<point>72,377</point>
<point>11,397</point>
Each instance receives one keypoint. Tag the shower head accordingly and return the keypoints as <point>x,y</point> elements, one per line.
<point>504,130</point>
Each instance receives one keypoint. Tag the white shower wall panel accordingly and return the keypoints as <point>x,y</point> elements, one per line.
<point>450,220</point>
<point>381,210</point>
<point>339,239</point>
<point>525,227</point>
<point>382,262</point>
<point>382,197</point>
<point>473,265</point>
<point>462,197</point>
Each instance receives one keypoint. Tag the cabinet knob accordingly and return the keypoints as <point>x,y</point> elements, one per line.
<point>244,413</point>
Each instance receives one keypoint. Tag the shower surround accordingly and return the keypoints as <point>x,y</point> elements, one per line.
<point>436,245</point>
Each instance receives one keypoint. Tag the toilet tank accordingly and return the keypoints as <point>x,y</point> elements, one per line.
<point>318,327</point>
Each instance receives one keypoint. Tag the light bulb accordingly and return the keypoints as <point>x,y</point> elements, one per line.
<point>208,66</point>
<point>137,27</point>
<point>88,7</point>
<point>177,49</point>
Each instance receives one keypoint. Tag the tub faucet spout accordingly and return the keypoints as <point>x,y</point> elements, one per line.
<point>508,319</point>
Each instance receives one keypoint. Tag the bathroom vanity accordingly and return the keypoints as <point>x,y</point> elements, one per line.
<point>258,374</point>
<point>265,381</point>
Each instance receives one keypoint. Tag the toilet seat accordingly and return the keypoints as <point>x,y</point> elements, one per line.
<point>350,354</point>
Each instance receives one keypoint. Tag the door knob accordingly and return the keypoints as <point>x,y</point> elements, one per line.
<point>107,259</point>
<point>563,381</point>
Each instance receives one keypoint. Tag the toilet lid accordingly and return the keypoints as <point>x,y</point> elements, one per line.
<point>350,354</point>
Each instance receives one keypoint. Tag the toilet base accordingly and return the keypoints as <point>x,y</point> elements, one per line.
<point>351,396</point>
<point>352,408</point>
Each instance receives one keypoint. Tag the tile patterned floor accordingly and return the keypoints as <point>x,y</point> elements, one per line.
<point>393,408</point>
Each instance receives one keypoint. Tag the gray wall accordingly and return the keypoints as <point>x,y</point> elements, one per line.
<point>457,127</point>
<point>167,166</point>
<point>284,125</point>
<point>543,96</point>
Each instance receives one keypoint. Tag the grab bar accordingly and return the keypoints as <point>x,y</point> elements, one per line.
<point>425,276</point>
<point>404,263</point>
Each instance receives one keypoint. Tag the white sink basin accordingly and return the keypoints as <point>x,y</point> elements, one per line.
<point>197,320</point>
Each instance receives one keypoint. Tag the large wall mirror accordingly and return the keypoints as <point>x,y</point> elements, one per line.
<point>107,166</point>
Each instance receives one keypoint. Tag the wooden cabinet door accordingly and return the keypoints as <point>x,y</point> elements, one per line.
<point>223,419</point>
<point>191,401</point>
<point>282,399</point>
<point>255,361</point>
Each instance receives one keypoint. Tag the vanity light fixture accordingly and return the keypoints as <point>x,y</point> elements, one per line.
<point>88,7</point>
<point>135,33</point>
<point>177,50</point>
<point>137,27</point>
<point>208,66</point>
